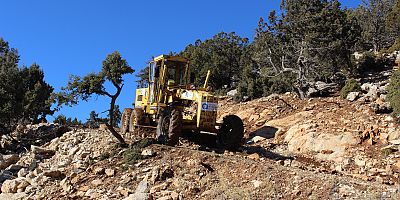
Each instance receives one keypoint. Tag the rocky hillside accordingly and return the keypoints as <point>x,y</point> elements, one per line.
<point>318,148</point>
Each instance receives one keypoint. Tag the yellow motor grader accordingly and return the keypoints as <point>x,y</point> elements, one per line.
<point>172,104</point>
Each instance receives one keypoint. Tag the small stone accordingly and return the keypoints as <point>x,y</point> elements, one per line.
<point>73,151</point>
<point>46,153</point>
<point>37,171</point>
<point>338,168</point>
<point>66,185</point>
<point>53,174</point>
<point>23,172</point>
<point>124,192</point>
<point>93,194</point>
<point>142,187</point>
<point>138,196</point>
<point>359,162</point>
<point>158,188</point>
<point>352,96</point>
<point>40,180</point>
<point>174,195</point>
<point>84,188</point>
<point>109,172</point>
<point>287,162</point>
<point>9,186</point>
<point>165,198</point>
<point>23,183</point>
<point>99,170</point>
<point>254,156</point>
<point>257,183</point>
<point>148,152</point>
<point>379,179</point>
<point>260,122</point>
<point>97,182</point>
<point>280,162</point>
<point>397,164</point>
<point>394,142</point>
<point>257,139</point>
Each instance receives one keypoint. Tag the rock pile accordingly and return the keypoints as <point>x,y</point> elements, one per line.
<point>26,135</point>
<point>59,161</point>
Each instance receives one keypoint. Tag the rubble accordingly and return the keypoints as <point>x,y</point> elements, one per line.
<point>322,148</point>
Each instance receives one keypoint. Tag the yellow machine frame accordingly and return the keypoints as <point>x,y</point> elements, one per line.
<point>198,105</point>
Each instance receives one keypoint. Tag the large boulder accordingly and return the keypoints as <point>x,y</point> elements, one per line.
<point>303,138</point>
<point>320,88</point>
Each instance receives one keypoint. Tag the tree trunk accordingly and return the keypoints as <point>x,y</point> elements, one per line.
<point>110,125</point>
<point>301,93</point>
<point>116,135</point>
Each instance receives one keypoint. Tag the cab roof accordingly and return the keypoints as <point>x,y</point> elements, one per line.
<point>171,58</point>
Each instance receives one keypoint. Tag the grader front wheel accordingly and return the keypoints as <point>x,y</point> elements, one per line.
<point>231,133</point>
<point>169,127</point>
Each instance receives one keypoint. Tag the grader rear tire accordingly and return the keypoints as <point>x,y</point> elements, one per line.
<point>136,118</point>
<point>231,133</point>
<point>126,114</point>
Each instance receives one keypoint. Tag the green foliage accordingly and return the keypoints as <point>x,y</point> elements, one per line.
<point>379,23</point>
<point>310,41</point>
<point>134,153</point>
<point>220,54</point>
<point>394,93</point>
<point>60,119</point>
<point>24,95</point>
<point>117,115</point>
<point>251,83</point>
<point>143,77</point>
<point>107,155</point>
<point>279,84</point>
<point>113,69</point>
<point>393,25</point>
<point>74,122</point>
<point>92,122</point>
<point>351,86</point>
<point>369,63</point>
<point>394,47</point>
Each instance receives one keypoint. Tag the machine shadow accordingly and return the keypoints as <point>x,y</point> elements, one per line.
<point>209,143</point>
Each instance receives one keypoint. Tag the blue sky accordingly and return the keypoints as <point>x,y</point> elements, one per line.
<point>73,37</point>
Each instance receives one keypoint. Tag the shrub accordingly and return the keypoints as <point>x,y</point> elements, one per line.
<point>394,47</point>
<point>351,86</point>
<point>394,93</point>
<point>279,84</point>
<point>134,153</point>
<point>369,62</point>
